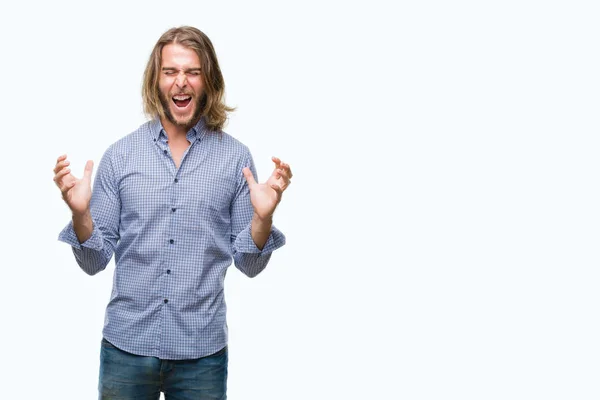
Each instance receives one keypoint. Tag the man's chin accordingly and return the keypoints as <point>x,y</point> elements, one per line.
<point>185,122</point>
<point>181,120</point>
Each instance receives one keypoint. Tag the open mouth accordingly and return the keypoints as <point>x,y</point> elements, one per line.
<point>182,101</point>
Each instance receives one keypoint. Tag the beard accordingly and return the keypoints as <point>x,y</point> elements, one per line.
<point>187,123</point>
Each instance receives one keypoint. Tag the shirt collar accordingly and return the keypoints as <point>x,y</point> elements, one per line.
<point>197,132</point>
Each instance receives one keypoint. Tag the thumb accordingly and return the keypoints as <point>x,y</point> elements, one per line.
<point>87,173</point>
<point>249,177</point>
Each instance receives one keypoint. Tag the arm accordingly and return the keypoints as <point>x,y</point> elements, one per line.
<point>265,198</point>
<point>94,230</point>
<point>254,237</point>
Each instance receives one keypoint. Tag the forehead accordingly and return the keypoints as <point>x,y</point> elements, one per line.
<point>176,55</point>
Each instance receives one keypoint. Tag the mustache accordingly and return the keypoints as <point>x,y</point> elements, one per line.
<point>182,93</point>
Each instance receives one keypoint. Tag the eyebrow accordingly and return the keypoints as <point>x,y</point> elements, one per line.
<point>187,70</point>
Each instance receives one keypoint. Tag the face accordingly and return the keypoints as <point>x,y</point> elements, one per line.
<point>180,84</point>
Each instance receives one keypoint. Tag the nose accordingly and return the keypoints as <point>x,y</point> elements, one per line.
<point>181,80</point>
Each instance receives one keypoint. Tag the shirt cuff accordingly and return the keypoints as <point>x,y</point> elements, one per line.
<point>244,243</point>
<point>68,236</point>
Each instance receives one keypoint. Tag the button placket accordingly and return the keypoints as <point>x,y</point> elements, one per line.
<point>172,231</point>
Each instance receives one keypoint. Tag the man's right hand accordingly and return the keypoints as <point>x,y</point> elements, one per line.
<point>77,193</point>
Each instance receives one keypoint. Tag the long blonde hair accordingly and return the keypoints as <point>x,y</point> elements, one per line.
<point>214,109</point>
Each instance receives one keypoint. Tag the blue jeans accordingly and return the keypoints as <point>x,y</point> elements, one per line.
<point>127,376</point>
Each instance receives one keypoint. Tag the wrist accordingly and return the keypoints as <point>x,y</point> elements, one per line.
<point>261,223</point>
<point>83,225</point>
<point>81,215</point>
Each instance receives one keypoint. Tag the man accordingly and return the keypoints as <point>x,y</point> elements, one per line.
<point>176,201</point>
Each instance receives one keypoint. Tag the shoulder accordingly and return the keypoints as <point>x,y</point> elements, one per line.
<point>226,145</point>
<point>129,144</point>
<point>141,135</point>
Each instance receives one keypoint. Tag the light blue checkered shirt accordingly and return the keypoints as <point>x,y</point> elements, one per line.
<point>174,233</point>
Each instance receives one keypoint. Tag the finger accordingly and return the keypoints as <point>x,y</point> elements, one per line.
<point>276,160</point>
<point>249,177</point>
<point>278,190</point>
<point>59,159</point>
<point>283,175</point>
<point>60,165</point>
<point>87,172</point>
<point>287,168</point>
<point>284,166</point>
<point>60,174</point>
<point>286,181</point>
<point>278,177</point>
<point>67,186</point>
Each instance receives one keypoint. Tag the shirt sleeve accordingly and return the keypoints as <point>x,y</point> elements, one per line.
<point>246,256</point>
<point>94,254</point>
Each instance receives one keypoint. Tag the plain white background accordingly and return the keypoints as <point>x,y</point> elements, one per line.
<point>442,224</point>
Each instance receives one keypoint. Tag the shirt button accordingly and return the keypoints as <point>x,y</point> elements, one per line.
<point>173,209</point>
<point>176,180</point>
<point>164,151</point>
<point>168,271</point>
<point>171,241</point>
<point>166,301</point>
